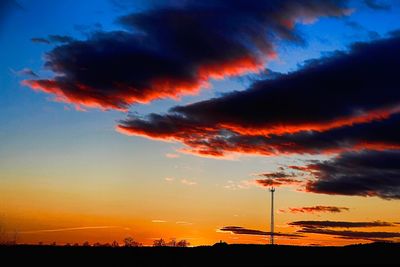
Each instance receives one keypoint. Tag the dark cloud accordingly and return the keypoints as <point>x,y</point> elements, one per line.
<point>394,33</point>
<point>322,227</point>
<point>325,106</point>
<point>378,135</point>
<point>365,173</point>
<point>314,209</point>
<point>277,182</point>
<point>168,51</point>
<point>277,179</point>
<point>53,39</point>
<point>377,5</point>
<point>275,175</point>
<point>339,224</point>
<point>244,231</point>
<point>351,234</point>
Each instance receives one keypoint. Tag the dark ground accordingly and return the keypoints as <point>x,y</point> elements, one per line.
<point>229,255</point>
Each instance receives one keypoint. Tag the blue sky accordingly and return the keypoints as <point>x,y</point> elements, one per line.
<point>24,109</point>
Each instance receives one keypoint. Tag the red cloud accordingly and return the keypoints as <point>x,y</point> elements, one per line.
<point>170,51</point>
<point>291,113</point>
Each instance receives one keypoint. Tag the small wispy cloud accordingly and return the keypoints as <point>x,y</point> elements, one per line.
<point>243,184</point>
<point>169,179</point>
<point>158,221</point>
<point>40,40</point>
<point>183,223</point>
<point>188,182</point>
<point>24,72</point>
<point>172,155</point>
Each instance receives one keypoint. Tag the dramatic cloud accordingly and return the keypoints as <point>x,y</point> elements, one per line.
<point>314,209</point>
<point>339,224</point>
<point>366,173</point>
<point>168,51</point>
<point>345,94</point>
<point>243,231</point>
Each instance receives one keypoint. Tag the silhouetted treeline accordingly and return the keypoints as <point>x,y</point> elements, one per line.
<point>219,255</point>
<point>127,242</point>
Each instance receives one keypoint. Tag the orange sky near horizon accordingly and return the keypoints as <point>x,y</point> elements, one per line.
<point>56,212</point>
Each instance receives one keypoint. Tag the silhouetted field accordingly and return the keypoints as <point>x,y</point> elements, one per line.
<point>230,255</point>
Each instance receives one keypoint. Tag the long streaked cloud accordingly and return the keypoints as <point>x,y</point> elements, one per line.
<point>340,224</point>
<point>317,209</point>
<point>278,182</point>
<point>67,229</point>
<point>347,234</point>
<point>172,50</point>
<point>245,231</point>
<point>325,228</point>
<point>345,94</point>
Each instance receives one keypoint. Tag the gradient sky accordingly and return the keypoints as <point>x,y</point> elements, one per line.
<point>67,175</point>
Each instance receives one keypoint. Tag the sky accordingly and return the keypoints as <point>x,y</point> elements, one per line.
<point>172,119</point>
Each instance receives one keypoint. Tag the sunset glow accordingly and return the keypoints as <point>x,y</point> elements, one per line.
<point>173,119</point>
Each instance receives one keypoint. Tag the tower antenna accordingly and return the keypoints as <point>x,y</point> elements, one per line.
<point>272,190</point>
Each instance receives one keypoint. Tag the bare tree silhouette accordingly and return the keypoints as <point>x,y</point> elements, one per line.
<point>183,243</point>
<point>159,243</point>
<point>172,243</point>
<point>130,242</point>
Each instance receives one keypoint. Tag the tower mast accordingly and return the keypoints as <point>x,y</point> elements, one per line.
<point>272,190</point>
